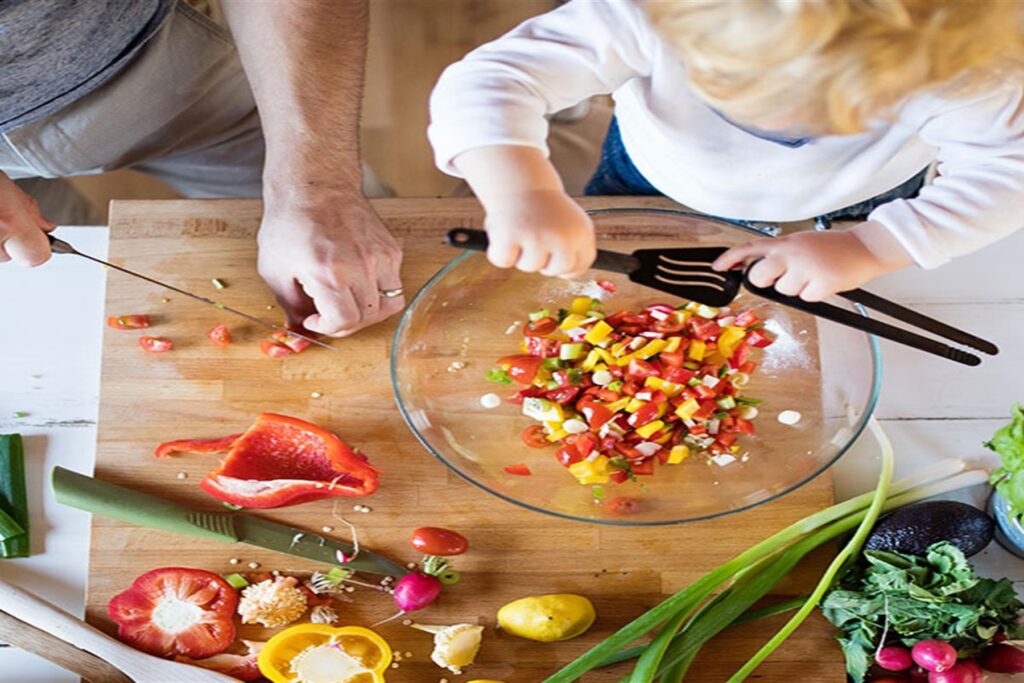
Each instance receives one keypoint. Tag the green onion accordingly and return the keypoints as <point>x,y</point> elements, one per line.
<point>571,351</point>
<point>616,385</point>
<point>8,527</point>
<point>598,493</point>
<point>497,375</point>
<point>726,402</point>
<point>540,314</point>
<point>563,313</point>
<point>20,414</point>
<point>551,385</point>
<point>553,364</point>
<point>237,580</point>
<point>575,376</point>
<point>785,546</point>
<point>746,401</point>
<point>13,495</point>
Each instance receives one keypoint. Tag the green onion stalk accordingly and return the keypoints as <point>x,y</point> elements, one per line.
<point>688,619</point>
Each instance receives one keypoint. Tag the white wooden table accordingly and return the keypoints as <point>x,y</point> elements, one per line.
<point>50,351</point>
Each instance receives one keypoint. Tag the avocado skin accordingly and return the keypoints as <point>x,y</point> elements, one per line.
<point>911,529</point>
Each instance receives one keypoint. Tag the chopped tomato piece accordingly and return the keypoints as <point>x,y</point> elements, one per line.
<point>619,476</point>
<point>747,318</point>
<point>679,375</point>
<point>542,347</point>
<point>759,339</point>
<point>519,470</point>
<point>644,467</point>
<point>176,611</point>
<point>647,413</point>
<point>622,505</point>
<point>563,395</point>
<point>220,335</point>
<point>273,349</point>
<point>596,414</point>
<point>704,329</point>
<point>672,359</point>
<point>568,455</point>
<point>155,344</point>
<point>641,369</point>
<point>525,392</point>
<point>607,285</point>
<point>534,437</point>
<point>744,426</point>
<point>295,343</point>
<point>521,368</point>
<point>128,322</point>
<point>540,328</point>
<point>669,326</point>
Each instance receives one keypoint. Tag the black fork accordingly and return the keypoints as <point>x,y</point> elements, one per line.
<point>687,273</point>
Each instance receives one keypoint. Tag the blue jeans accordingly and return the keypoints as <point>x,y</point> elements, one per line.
<point>616,175</point>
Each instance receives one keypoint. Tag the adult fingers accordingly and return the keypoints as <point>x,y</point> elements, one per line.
<point>293,300</point>
<point>765,272</point>
<point>792,283</point>
<point>28,247</point>
<point>337,312</point>
<point>389,280</point>
<point>4,256</point>
<point>741,254</point>
<point>39,218</point>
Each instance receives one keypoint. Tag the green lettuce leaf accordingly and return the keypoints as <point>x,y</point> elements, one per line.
<point>1008,442</point>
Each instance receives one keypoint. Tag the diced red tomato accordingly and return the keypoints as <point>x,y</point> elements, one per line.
<point>295,343</point>
<point>519,470</point>
<point>744,426</point>
<point>568,455</point>
<point>607,285</point>
<point>525,392</point>
<point>535,437</point>
<point>601,394</point>
<point>749,367</point>
<point>679,375</point>
<point>647,413</point>
<point>704,329</point>
<point>704,391</point>
<point>540,328</point>
<point>706,410</point>
<point>759,339</point>
<point>586,443</point>
<point>740,355</point>
<point>272,349</point>
<point>220,335</point>
<point>644,467</point>
<point>747,318</point>
<point>672,359</point>
<point>622,505</point>
<point>563,395</point>
<point>155,344</point>
<point>596,414</point>
<point>726,439</point>
<point>619,476</point>
<point>625,449</point>
<point>640,369</point>
<point>521,368</point>
<point>542,347</point>
<point>128,322</point>
<point>630,388</point>
<point>670,326</point>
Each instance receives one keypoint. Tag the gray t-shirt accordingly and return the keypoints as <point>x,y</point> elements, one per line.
<point>53,52</point>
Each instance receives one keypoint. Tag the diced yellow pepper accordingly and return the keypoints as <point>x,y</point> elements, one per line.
<point>598,332</point>
<point>616,406</point>
<point>618,349</point>
<point>729,339</point>
<point>678,454</point>
<point>557,435</point>
<point>671,389</point>
<point>599,367</point>
<point>697,349</point>
<point>591,471</point>
<point>654,382</point>
<point>673,343</point>
<point>652,348</point>
<point>715,358</point>
<point>571,321</point>
<point>650,428</point>
<point>605,356</point>
<point>634,405</point>
<point>664,437</point>
<point>687,408</point>
<point>590,362</point>
<point>581,304</point>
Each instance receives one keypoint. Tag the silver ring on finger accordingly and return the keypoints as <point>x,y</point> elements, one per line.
<point>392,293</point>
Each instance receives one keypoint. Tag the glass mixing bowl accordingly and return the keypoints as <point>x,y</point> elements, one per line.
<point>470,314</point>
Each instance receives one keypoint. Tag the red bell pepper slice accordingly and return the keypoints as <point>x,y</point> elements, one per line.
<point>519,470</point>
<point>759,339</point>
<point>281,461</point>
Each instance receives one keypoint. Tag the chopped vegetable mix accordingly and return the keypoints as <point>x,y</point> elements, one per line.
<point>14,536</point>
<point>615,393</point>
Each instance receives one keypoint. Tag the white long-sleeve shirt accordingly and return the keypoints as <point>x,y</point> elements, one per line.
<point>500,93</point>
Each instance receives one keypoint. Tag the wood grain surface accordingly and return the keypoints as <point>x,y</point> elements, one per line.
<point>199,390</point>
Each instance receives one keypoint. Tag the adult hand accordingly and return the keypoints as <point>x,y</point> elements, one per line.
<point>328,263</point>
<point>22,227</point>
<point>816,265</point>
<point>540,231</point>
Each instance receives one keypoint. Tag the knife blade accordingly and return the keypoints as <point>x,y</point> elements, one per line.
<point>135,507</point>
<point>59,246</point>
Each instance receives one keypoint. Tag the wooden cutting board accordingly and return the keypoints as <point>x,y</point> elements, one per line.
<point>198,390</point>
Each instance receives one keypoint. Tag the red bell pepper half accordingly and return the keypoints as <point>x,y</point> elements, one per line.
<point>280,461</point>
<point>176,611</point>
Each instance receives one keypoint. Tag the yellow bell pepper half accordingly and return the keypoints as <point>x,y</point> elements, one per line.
<point>325,654</point>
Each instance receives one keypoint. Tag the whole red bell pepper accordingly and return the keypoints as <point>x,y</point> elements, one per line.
<point>280,461</point>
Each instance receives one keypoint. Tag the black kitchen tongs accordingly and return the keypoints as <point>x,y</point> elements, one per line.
<point>687,273</point>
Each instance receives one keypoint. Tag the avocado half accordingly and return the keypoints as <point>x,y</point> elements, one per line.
<point>911,529</point>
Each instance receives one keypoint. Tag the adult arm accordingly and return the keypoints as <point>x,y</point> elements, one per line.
<point>322,248</point>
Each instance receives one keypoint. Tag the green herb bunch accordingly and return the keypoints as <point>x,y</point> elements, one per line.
<point>905,598</point>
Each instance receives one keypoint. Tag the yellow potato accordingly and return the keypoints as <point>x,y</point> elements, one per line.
<point>547,618</point>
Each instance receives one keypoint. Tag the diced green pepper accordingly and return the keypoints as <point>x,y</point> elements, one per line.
<point>553,364</point>
<point>616,385</point>
<point>498,375</point>
<point>237,580</point>
<point>540,314</point>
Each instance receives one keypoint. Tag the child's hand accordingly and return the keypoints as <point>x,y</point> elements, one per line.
<point>543,230</point>
<point>816,265</point>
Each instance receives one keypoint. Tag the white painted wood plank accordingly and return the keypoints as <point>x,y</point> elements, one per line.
<point>50,348</point>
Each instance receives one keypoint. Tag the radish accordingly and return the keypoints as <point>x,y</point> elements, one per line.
<point>894,658</point>
<point>934,655</point>
<point>416,591</point>
<point>887,678</point>
<point>964,671</point>
<point>1003,659</point>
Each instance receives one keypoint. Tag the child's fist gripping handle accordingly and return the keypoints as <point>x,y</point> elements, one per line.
<point>476,240</point>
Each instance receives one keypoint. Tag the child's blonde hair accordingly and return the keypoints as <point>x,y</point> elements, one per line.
<point>833,64</point>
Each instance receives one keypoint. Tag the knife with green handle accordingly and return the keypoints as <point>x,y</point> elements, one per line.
<point>135,507</point>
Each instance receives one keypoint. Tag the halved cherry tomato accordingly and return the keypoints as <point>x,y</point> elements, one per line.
<point>296,344</point>
<point>758,339</point>
<point>432,540</point>
<point>568,455</point>
<point>128,322</point>
<point>607,285</point>
<point>669,326</point>
<point>540,328</point>
<point>220,335</point>
<point>622,505</point>
<point>519,470</point>
<point>272,349</point>
<point>155,344</point>
<point>534,437</point>
<point>521,368</point>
